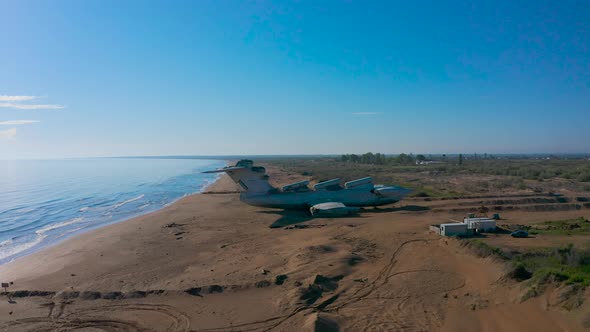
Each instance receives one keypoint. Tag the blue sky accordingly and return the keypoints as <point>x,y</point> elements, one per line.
<point>113,78</point>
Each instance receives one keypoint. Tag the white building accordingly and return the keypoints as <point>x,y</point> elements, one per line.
<point>481,225</point>
<point>452,229</point>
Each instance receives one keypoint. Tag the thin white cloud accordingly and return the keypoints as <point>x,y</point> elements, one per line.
<point>365,113</point>
<point>31,106</point>
<point>8,134</point>
<point>16,122</point>
<point>16,98</point>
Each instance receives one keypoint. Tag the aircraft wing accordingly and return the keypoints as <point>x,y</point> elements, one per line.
<point>332,209</point>
<point>226,169</point>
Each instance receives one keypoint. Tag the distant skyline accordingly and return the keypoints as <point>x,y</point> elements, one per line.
<point>133,78</point>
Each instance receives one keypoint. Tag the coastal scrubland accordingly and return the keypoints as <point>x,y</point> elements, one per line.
<point>450,176</point>
<point>555,259</point>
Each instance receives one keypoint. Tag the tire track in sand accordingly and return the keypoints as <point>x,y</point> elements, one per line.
<point>94,318</point>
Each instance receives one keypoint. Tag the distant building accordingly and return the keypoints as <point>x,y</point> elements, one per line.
<point>480,225</point>
<point>451,229</point>
<point>469,226</point>
<point>429,162</point>
<point>454,229</point>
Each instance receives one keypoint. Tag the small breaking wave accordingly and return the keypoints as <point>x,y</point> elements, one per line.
<point>118,205</point>
<point>8,249</point>
<point>16,245</point>
<point>5,243</point>
<point>58,225</point>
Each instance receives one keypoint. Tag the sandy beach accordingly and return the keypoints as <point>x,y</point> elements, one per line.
<point>211,263</point>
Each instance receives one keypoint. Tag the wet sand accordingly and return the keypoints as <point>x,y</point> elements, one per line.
<point>211,263</point>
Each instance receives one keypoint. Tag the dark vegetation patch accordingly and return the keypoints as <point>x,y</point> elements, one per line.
<point>325,324</point>
<point>321,284</point>
<point>27,293</point>
<point>20,293</point>
<point>112,296</point>
<point>520,273</point>
<point>68,295</point>
<point>505,201</point>
<point>215,289</point>
<point>311,294</point>
<point>173,224</point>
<point>353,260</point>
<point>262,284</point>
<point>482,249</point>
<point>195,291</point>
<point>579,225</point>
<point>41,293</point>
<point>327,283</point>
<point>280,279</point>
<point>84,295</point>
<point>552,207</point>
<point>327,302</point>
<point>135,295</point>
<point>90,295</point>
<point>321,249</point>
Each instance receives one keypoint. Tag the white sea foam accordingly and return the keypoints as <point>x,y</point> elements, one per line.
<point>209,183</point>
<point>118,205</point>
<point>9,250</point>
<point>12,247</point>
<point>58,225</point>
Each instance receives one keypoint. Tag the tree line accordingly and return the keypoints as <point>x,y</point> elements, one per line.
<point>381,159</point>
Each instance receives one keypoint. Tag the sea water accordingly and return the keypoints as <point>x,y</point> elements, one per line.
<point>45,201</point>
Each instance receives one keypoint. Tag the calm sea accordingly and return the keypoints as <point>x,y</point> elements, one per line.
<point>42,202</point>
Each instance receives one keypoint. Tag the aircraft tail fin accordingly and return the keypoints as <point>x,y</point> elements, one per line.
<point>252,179</point>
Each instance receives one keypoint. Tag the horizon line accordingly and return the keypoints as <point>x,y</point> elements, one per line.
<point>233,156</point>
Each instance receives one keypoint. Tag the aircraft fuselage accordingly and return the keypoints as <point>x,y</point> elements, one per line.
<point>306,199</point>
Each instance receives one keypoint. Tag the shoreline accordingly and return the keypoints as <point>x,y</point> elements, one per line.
<point>40,246</point>
<point>28,270</point>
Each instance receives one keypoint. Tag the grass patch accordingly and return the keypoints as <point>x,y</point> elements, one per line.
<point>562,227</point>
<point>423,191</point>
<point>482,249</point>
<point>566,264</point>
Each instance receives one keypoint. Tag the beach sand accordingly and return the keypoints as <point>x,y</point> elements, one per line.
<point>211,263</point>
